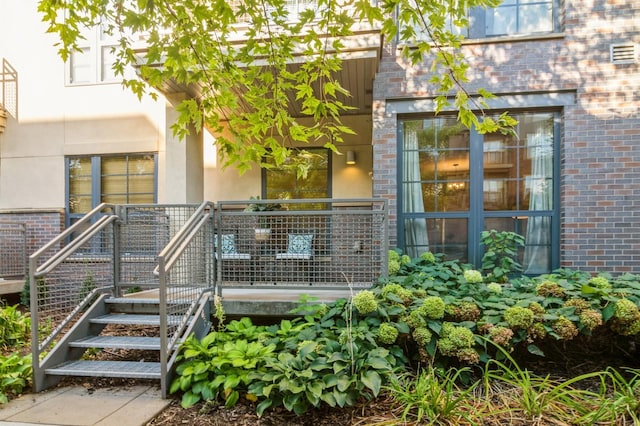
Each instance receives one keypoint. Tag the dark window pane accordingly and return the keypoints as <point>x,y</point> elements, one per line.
<point>449,236</point>
<point>283,183</point>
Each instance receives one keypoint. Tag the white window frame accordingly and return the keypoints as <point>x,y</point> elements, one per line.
<point>96,56</point>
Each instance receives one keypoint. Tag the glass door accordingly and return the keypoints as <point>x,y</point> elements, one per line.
<point>436,185</point>
<point>457,183</point>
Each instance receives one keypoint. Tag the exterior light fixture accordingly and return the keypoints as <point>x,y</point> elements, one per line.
<point>351,157</point>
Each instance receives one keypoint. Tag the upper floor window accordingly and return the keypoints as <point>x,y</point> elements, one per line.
<point>519,17</point>
<point>294,9</point>
<point>511,17</point>
<point>94,62</point>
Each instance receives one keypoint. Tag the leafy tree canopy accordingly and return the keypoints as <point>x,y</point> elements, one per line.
<point>245,87</point>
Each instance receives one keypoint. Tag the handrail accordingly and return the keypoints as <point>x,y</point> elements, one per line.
<point>62,236</point>
<point>180,249</point>
<point>166,260</point>
<point>61,255</point>
<point>178,241</point>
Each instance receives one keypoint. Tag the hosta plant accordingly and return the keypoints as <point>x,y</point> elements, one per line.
<point>15,374</point>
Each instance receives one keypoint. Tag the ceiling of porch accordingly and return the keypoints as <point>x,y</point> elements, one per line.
<point>360,59</point>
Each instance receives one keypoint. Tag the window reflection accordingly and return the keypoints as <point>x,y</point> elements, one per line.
<point>514,179</point>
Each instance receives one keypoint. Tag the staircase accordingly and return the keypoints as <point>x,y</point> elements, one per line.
<point>119,323</point>
<point>134,282</point>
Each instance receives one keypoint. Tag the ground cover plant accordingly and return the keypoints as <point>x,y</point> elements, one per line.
<point>15,365</point>
<point>432,327</point>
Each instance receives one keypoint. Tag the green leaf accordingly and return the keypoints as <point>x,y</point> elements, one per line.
<point>175,385</point>
<point>608,311</point>
<point>344,382</point>
<point>316,388</point>
<point>340,398</point>
<point>189,399</point>
<point>378,363</point>
<point>403,327</point>
<point>533,349</point>
<point>372,380</point>
<point>313,398</point>
<point>290,401</point>
<point>262,406</point>
<point>329,399</point>
<point>232,399</point>
<point>330,380</point>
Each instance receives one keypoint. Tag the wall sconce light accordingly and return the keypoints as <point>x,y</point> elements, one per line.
<point>351,157</point>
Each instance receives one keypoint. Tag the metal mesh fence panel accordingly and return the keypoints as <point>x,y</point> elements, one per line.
<point>144,230</point>
<point>186,272</point>
<point>344,245</point>
<point>13,253</point>
<point>58,291</point>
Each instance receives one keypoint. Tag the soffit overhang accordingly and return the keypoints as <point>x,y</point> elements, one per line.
<point>360,59</point>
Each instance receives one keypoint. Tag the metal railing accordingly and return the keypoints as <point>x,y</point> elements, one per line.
<point>9,88</point>
<point>111,250</point>
<point>186,250</point>
<point>13,250</point>
<point>65,277</point>
<point>144,231</point>
<point>319,243</point>
<point>185,271</point>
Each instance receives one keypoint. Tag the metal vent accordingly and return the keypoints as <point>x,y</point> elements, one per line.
<point>624,53</point>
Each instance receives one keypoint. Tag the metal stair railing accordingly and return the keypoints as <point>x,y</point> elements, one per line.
<point>64,279</point>
<point>185,270</point>
<point>144,231</point>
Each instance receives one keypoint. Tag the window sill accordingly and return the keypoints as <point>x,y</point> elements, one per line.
<point>502,39</point>
<point>513,38</point>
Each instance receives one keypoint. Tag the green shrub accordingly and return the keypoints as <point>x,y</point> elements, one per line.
<point>218,366</point>
<point>428,314</point>
<point>500,258</point>
<point>15,327</point>
<point>15,373</point>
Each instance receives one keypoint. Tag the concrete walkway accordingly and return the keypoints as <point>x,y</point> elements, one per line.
<point>78,406</point>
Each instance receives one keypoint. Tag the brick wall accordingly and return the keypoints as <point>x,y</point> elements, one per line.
<point>600,139</point>
<point>41,225</point>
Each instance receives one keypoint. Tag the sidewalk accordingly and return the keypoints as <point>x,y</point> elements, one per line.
<point>78,406</point>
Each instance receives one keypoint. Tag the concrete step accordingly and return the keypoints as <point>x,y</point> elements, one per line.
<point>118,342</point>
<point>123,369</point>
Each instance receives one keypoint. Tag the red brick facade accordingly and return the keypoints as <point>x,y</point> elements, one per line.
<point>41,225</point>
<point>600,136</point>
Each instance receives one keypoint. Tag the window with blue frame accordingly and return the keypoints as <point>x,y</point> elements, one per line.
<point>117,179</point>
<point>456,183</point>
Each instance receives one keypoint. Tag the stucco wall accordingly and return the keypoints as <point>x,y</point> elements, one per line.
<point>348,181</point>
<point>600,140</point>
<point>54,119</point>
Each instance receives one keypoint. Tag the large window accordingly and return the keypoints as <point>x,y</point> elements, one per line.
<point>457,183</point>
<point>285,183</point>
<point>118,179</point>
